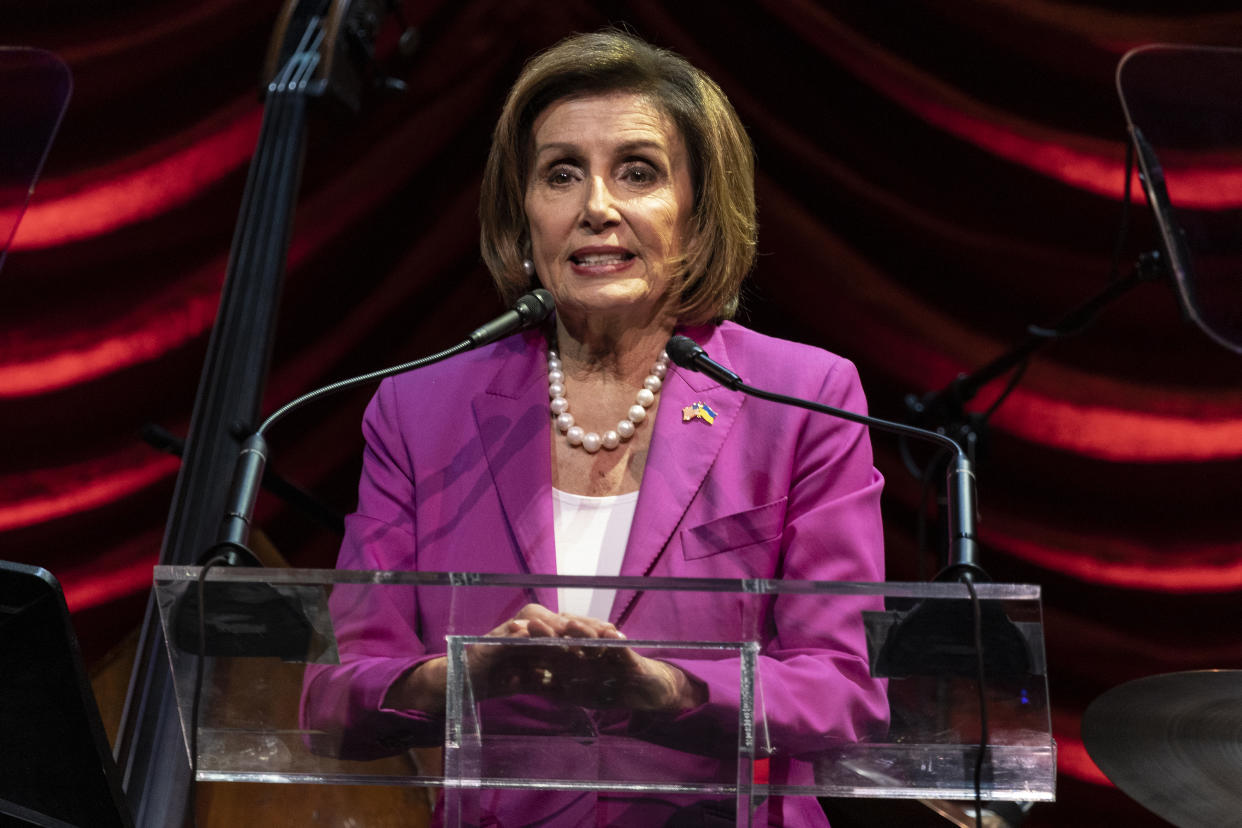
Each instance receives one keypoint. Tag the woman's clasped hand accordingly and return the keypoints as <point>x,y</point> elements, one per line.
<point>570,670</point>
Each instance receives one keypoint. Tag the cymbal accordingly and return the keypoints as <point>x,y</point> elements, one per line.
<point>1173,743</point>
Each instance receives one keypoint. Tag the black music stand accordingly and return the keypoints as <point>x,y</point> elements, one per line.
<point>56,768</point>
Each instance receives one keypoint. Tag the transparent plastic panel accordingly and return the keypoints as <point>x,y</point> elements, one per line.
<point>1184,108</point>
<point>34,91</point>
<point>302,665</point>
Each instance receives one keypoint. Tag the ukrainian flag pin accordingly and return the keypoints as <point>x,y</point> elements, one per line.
<point>698,411</point>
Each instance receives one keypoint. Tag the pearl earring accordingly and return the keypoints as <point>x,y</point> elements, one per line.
<point>528,267</point>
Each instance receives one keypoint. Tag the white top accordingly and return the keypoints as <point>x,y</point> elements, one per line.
<point>591,533</point>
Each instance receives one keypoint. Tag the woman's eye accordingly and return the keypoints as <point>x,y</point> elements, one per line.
<point>639,174</point>
<point>560,176</point>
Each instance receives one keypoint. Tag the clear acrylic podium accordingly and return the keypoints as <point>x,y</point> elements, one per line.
<point>263,627</point>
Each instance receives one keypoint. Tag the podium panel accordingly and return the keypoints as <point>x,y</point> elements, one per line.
<point>886,704</point>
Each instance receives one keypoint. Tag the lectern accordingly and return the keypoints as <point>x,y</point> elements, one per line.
<point>918,641</point>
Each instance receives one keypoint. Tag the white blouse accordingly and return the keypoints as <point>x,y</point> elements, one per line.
<point>591,533</point>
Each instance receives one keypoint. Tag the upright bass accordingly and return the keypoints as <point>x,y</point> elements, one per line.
<point>321,51</point>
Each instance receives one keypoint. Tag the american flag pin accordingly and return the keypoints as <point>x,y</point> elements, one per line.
<point>698,411</point>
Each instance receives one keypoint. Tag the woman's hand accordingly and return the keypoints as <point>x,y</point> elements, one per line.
<point>601,677</point>
<point>592,676</point>
<point>537,621</point>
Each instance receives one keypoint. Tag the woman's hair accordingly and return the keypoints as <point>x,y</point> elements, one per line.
<point>720,247</point>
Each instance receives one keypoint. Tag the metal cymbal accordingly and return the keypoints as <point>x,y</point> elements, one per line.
<point>1173,743</point>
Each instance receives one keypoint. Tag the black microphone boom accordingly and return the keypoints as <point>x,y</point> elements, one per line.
<point>963,552</point>
<point>529,310</point>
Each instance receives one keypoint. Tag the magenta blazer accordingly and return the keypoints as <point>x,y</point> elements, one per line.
<point>457,477</point>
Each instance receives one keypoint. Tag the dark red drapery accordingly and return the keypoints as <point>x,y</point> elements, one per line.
<point>934,176</point>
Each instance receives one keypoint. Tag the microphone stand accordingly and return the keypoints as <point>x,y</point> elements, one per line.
<point>252,460</point>
<point>945,411</point>
<point>529,310</point>
<point>962,562</point>
<point>277,624</point>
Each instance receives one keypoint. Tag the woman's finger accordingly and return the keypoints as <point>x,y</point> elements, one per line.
<point>513,628</point>
<point>584,626</point>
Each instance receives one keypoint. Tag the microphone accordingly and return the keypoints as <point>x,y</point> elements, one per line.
<point>686,353</point>
<point>529,310</point>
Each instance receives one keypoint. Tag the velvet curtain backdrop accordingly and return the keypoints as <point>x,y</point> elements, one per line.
<point>935,175</point>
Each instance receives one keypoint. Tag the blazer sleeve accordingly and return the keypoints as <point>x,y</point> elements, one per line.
<point>815,685</point>
<point>342,705</point>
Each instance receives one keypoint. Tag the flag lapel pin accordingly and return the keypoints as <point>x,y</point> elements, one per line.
<point>698,411</point>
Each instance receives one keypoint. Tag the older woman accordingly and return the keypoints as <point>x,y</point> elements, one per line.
<point>621,180</point>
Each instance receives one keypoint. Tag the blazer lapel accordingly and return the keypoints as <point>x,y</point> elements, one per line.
<point>682,452</point>
<point>514,428</point>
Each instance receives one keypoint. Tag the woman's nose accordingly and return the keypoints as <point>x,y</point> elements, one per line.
<point>600,210</point>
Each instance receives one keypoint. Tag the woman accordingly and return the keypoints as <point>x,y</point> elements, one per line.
<point>621,180</point>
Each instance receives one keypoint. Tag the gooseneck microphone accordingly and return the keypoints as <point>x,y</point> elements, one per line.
<point>927,639</point>
<point>963,552</point>
<point>529,310</point>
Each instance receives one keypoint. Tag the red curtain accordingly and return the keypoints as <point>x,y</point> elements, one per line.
<point>935,175</point>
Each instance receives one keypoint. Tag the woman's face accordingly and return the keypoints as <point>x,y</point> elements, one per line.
<point>608,202</point>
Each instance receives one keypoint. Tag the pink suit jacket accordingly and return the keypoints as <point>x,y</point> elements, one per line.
<point>457,477</point>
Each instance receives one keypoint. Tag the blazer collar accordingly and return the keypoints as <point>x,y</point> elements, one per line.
<point>514,427</point>
<point>682,453</point>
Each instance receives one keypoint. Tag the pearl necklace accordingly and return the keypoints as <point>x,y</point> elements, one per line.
<point>589,440</point>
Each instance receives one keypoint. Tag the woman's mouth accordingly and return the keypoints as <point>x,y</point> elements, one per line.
<point>599,259</point>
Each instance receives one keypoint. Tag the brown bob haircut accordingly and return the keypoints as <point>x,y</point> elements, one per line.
<point>721,247</point>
